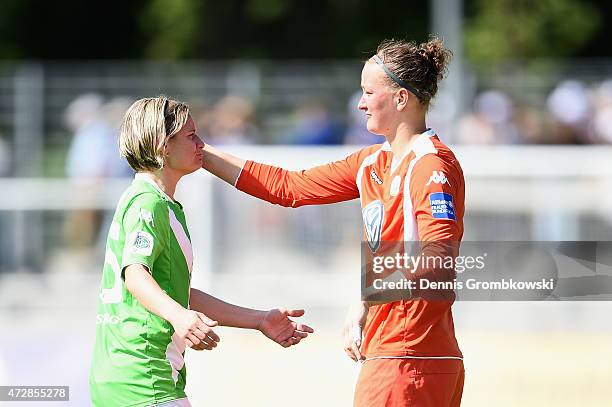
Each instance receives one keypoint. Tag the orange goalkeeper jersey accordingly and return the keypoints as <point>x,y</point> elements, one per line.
<point>418,197</point>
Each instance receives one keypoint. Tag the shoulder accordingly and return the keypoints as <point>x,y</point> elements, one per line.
<point>365,153</point>
<point>434,155</point>
<point>146,205</point>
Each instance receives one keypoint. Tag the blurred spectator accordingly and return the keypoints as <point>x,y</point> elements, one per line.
<point>94,152</point>
<point>112,113</point>
<point>357,132</point>
<point>230,121</point>
<point>530,124</point>
<point>491,121</point>
<point>93,155</point>
<point>315,126</point>
<point>569,107</point>
<point>602,120</point>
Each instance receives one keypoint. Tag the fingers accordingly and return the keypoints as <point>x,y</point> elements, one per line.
<point>204,327</point>
<point>207,320</point>
<point>290,342</point>
<point>298,334</point>
<point>201,344</point>
<point>356,352</point>
<point>352,342</point>
<point>293,312</point>
<point>352,350</point>
<point>304,328</point>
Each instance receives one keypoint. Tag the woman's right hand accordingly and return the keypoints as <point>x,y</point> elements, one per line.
<point>352,330</point>
<point>195,329</point>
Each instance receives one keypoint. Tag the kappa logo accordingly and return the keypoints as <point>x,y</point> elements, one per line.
<point>146,216</point>
<point>438,177</point>
<point>375,177</point>
<point>373,216</point>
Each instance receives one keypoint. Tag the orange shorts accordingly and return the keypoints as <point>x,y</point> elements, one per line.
<point>410,382</point>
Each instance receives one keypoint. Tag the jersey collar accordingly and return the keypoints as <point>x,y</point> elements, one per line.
<point>141,176</point>
<point>397,160</point>
<point>426,134</point>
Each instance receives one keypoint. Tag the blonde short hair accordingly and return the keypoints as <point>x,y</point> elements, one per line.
<point>146,127</point>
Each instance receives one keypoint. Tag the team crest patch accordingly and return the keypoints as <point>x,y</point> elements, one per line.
<point>141,243</point>
<point>442,206</point>
<point>373,215</point>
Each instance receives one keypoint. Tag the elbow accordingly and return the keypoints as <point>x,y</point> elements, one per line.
<point>129,282</point>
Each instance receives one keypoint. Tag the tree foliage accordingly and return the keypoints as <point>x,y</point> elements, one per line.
<point>504,29</point>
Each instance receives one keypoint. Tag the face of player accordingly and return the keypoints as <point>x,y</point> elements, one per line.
<point>184,150</point>
<point>377,99</point>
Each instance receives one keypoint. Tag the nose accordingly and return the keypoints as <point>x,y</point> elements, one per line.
<point>199,143</point>
<point>362,104</point>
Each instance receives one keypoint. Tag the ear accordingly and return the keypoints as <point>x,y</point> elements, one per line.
<point>401,99</point>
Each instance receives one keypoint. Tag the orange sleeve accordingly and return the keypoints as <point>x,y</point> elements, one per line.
<point>324,184</point>
<point>437,192</point>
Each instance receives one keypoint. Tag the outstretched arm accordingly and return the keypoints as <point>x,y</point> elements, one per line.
<point>223,165</point>
<point>324,184</point>
<point>275,324</point>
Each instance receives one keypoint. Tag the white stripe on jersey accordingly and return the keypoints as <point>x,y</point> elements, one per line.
<point>421,147</point>
<point>182,239</point>
<point>174,355</point>
<point>367,161</point>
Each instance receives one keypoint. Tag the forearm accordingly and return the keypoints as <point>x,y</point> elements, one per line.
<point>223,165</point>
<point>226,314</point>
<point>423,276</point>
<point>381,293</point>
<point>145,289</point>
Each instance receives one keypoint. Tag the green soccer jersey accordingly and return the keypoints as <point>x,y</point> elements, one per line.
<point>137,359</point>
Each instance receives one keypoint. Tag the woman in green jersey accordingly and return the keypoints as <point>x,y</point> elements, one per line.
<point>147,312</point>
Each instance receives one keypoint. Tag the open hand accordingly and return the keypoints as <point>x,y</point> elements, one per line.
<point>277,326</point>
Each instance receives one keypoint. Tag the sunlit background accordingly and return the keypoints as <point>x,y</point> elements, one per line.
<point>527,107</point>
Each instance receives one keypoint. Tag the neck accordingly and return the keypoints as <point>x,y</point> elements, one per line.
<point>165,180</point>
<point>404,135</point>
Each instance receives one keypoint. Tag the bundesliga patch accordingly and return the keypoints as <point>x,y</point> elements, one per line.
<point>442,206</point>
<point>141,243</point>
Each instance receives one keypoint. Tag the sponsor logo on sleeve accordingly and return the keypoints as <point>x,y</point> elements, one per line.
<point>375,177</point>
<point>141,243</point>
<point>373,215</point>
<point>438,177</point>
<point>442,206</point>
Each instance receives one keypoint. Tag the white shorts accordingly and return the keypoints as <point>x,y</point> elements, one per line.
<point>174,403</point>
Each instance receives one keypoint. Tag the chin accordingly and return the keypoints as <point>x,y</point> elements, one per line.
<point>372,128</point>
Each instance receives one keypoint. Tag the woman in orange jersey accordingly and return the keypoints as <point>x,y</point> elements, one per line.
<point>411,190</point>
